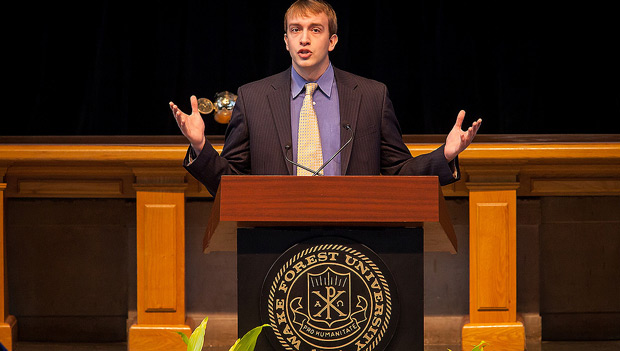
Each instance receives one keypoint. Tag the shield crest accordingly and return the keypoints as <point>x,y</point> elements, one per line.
<point>329,296</point>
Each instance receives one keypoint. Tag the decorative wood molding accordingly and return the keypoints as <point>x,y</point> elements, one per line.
<point>542,165</point>
<point>554,169</point>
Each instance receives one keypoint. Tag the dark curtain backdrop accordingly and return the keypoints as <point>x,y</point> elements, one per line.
<point>111,67</point>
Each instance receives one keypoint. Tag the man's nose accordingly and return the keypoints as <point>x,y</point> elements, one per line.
<point>305,38</point>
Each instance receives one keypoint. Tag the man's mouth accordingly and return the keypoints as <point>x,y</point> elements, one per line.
<point>304,53</point>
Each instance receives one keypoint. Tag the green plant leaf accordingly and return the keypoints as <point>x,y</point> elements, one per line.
<point>248,341</point>
<point>197,339</point>
<point>480,346</point>
<point>184,337</point>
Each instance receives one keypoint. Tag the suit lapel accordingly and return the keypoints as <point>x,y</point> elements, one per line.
<point>280,104</point>
<point>349,99</point>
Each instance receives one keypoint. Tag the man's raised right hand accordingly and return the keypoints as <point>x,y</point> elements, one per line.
<point>192,126</point>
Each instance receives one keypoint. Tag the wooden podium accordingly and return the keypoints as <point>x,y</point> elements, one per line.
<point>333,262</point>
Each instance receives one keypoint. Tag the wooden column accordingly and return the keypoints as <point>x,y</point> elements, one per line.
<point>8,323</point>
<point>160,204</point>
<point>493,266</point>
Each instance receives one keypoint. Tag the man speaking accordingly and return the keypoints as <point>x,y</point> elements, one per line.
<point>314,119</point>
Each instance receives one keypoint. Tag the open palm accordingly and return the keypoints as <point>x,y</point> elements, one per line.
<point>459,139</point>
<point>192,125</point>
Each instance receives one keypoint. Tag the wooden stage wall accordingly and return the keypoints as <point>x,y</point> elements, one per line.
<point>496,170</point>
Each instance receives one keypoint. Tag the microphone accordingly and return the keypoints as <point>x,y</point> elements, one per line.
<point>288,147</point>
<point>346,126</point>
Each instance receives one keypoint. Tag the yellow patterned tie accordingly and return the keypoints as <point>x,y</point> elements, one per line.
<point>309,151</point>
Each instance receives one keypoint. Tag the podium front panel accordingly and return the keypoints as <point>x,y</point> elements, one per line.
<point>332,288</point>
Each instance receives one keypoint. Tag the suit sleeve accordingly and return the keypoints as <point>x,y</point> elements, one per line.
<point>209,166</point>
<point>396,158</point>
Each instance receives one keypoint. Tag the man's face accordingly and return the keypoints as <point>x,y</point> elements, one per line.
<point>308,42</point>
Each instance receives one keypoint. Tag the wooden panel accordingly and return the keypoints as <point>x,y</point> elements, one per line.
<point>498,153</point>
<point>393,201</point>
<point>70,180</point>
<point>492,255</point>
<point>8,332</point>
<point>575,186</point>
<point>94,153</point>
<point>72,188</point>
<point>4,303</point>
<point>8,323</point>
<point>351,199</point>
<point>160,257</point>
<point>498,336</point>
<point>157,337</point>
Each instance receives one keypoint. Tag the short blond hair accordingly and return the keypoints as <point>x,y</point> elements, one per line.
<point>305,7</point>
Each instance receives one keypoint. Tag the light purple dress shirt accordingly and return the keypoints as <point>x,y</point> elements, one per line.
<point>327,108</point>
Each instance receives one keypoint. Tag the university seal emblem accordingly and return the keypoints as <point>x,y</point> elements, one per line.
<point>336,296</point>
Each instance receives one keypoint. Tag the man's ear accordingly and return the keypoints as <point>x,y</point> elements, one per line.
<point>333,40</point>
<point>286,41</point>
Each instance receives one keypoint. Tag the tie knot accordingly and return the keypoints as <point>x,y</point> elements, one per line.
<point>310,88</point>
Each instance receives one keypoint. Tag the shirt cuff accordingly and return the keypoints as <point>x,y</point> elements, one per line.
<point>191,156</point>
<point>454,167</point>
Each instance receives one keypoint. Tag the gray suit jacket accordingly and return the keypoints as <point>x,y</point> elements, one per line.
<point>260,129</point>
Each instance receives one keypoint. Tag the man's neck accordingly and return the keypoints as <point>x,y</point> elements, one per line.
<point>311,75</point>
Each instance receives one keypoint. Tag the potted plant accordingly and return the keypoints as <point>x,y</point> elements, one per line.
<point>196,340</point>
<point>479,347</point>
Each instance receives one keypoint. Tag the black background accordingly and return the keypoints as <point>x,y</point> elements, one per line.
<point>111,67</point>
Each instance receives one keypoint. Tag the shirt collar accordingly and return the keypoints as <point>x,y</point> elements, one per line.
<point>325,82</point>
